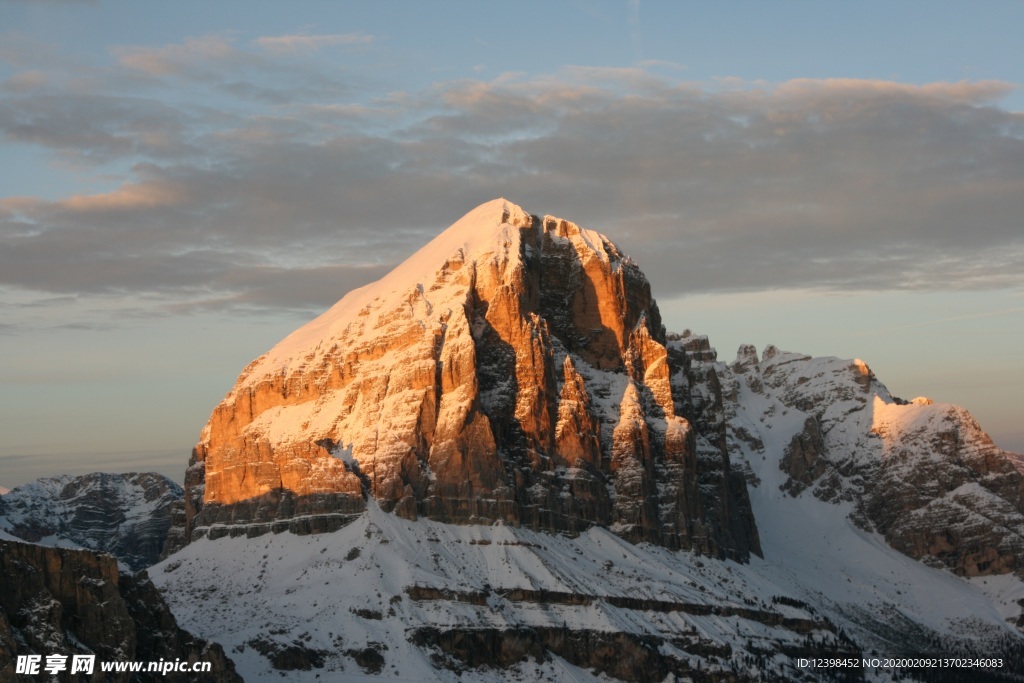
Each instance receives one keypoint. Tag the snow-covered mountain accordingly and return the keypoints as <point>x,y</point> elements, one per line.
<point>525,476</point>
<point>126,515</point>
<point>923,474</point>
<point>514,369</point>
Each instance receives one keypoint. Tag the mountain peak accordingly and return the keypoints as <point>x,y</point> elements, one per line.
<point>443,390</point>
<point>497,211</point>
<point>489,227</point>
<point>491,232</point>
<point>480,230</point>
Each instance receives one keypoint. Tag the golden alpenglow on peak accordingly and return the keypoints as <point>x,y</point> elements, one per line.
<point>510,360</point>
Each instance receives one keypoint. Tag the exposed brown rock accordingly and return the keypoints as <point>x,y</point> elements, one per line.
<point>618,655</point>
<point>921,473</point>
<point>462,387</point>
<point>948,495</point>
<point>65,602</point>
<point>578,433</point>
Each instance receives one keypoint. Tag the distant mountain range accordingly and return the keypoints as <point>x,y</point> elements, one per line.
<point>126,515</point>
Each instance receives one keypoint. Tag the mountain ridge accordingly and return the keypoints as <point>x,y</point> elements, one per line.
<point>127,515</point>
<point>58,602</point>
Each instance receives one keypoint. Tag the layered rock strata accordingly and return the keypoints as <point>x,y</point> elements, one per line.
<point>921,473</point>
<point>515,369</point>
<point>126,515</point>
<point>57,601</point>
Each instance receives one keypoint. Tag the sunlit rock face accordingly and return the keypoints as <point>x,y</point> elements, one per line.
<point>515,369</point>
<point>944,493</point>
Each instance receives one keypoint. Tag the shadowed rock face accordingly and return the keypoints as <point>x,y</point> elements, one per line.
<point>126,515</point>
<point>923,474</point>
<point>56,601</point>
<point>514,369</point>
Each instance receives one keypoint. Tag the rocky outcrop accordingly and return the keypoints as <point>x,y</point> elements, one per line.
<point>620,656</point>
<point>803,460</point>
<point>514,369</point>
<point>126,515</point>
<point>944,493</point>
<point>921,473</point>
<point>57,601</point>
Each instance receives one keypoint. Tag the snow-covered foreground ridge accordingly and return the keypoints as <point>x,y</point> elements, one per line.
<point>625,504</point>
<point>422,600</point>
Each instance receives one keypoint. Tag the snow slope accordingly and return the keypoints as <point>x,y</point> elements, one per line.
<point>465,238</point>
<point>338,594</point>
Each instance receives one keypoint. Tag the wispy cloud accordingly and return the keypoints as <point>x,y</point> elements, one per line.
<point>26,81</point>
<point>127,197</point>
<point>961,91</point>
<point>304,42</point>
<point>178,58</point>
<point>218,61</point>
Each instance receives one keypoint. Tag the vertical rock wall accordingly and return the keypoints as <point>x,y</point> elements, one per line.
<point>514,370</point>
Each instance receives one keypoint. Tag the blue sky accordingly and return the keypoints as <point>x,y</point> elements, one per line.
<point>182,184</point>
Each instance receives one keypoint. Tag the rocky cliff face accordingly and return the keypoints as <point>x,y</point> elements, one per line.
<point>514,369</point>
<point>923,474</point>
<point>57,601</point>
<point>126,515</point>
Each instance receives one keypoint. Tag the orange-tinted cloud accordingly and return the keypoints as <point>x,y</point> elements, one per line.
<point>304,42</point>
<point>174,59</point>
<point>128,196</point>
